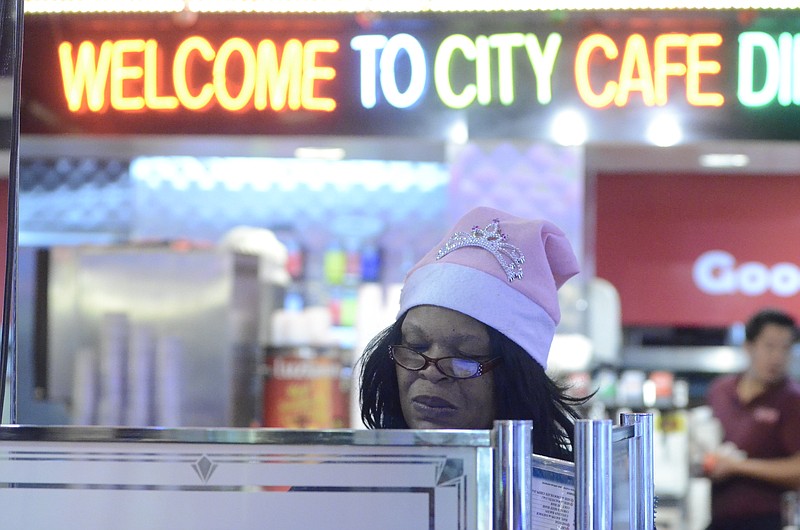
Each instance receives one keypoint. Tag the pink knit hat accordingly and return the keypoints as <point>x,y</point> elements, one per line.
<point>502,270</point>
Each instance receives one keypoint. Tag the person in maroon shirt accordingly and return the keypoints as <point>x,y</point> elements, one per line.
<point>759,410</point>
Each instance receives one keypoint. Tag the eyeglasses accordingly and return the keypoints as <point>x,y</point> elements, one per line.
<point>455,367</point>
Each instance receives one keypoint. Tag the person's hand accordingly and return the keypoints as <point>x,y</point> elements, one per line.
<point>724,462</point>
<point>720,467</point>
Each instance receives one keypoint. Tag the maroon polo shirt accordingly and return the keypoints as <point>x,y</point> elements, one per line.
<point>767,427</point>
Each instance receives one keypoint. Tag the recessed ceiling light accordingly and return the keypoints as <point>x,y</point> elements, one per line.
<point>320,153</point>
<point>724,160</point>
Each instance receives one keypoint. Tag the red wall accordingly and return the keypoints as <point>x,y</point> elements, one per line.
<point>653,229</point>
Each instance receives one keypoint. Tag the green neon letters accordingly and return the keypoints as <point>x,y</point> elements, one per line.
<point>769,69</point>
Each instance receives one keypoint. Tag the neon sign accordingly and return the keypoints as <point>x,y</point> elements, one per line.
<point>638,72</point>
<point>781,79</point>
<point>383,52</point>
<point>132,75</point>
<point>390,49</point>
<point>127,75</point>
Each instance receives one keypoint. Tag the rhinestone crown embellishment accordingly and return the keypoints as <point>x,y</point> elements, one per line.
<point>493,240</point>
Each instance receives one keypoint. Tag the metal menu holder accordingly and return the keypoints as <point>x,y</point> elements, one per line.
<point>614,487</point>
<point>93,478</point>
<point>512,464</point>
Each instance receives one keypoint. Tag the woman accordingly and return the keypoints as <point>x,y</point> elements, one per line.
<point>470,345</point>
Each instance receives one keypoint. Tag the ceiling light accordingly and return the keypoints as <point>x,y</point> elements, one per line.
<point>569,128</point>
<point>664,131</point>
<point>724,160</point>
<point>320,153</point>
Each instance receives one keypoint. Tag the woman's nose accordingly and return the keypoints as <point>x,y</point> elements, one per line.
<point>431,372</point>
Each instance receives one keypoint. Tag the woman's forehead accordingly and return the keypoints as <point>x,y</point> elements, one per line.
<point>441,320</point>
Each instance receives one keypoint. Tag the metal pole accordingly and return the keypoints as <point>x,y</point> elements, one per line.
<point>593,508</point>
<point>512,474</point>
<point>11,16</point>
<point>642,494</point>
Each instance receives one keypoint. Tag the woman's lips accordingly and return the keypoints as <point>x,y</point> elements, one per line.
<point>429,411</point>
<point>432,402</point>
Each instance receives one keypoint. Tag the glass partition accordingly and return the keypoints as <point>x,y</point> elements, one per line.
<point>142,254</point>
<point>93,478</point>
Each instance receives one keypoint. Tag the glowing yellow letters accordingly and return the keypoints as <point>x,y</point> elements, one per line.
<point>182,69</point>
<point>85,75</point>
<point>695,68</point>
<point>313,72</point>
<point>277,79</point>
<point>126,75</point>
<point>638,73</point>
<point>152,98</point>
<point>582,60</point>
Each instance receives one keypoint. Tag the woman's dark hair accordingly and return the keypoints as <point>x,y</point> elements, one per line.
<point>523,392</point>
<point>379,395</point>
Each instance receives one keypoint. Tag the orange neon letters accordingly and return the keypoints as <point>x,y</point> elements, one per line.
<point>120,73</point>
<point>127,75</point>
<point>152,98</point>
<point>278,79</point>
<point>182,69</point>
<point>85,76</point>
<point>695,67</point>
<point>638,73</point>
